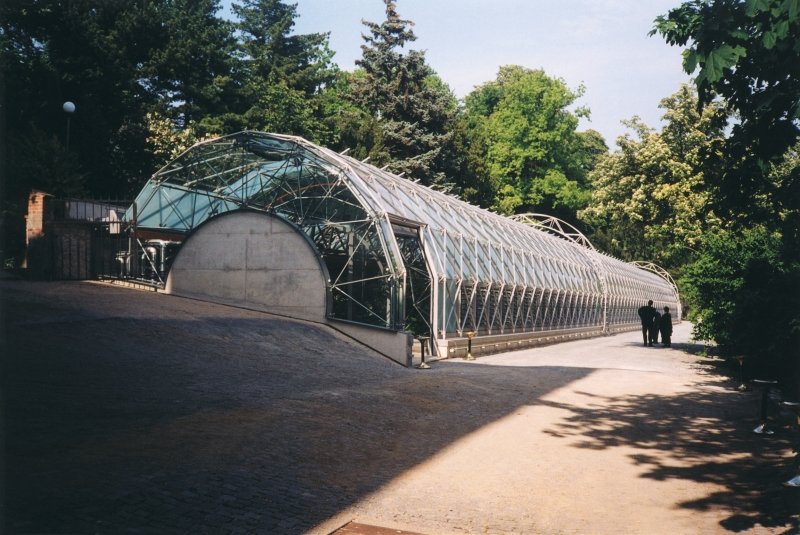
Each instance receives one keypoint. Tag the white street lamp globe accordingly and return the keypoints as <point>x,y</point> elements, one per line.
<point>69,107</point>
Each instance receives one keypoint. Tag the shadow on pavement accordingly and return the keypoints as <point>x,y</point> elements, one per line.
<point>705,431</point>
<point>135,412</point>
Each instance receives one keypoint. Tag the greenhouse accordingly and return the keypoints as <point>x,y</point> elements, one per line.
<point>392,255</point>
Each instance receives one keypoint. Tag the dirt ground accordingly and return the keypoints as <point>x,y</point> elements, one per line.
<point>135,412</point>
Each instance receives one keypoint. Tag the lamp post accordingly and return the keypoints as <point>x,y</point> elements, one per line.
<point>69,109</point>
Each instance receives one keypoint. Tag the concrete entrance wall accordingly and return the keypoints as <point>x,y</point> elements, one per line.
<point>253,260</point>
<point>257,261</point>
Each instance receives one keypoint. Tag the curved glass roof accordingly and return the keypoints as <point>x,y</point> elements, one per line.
<point>475,270</point>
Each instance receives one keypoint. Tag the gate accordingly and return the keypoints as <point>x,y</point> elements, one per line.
<point>81,239</point>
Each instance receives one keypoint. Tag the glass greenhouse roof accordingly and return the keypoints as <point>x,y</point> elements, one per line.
<point>478,270</point>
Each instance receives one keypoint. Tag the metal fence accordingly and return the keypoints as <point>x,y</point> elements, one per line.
<point>79,239</point>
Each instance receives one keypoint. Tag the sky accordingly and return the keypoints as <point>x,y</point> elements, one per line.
<point>602,44</point>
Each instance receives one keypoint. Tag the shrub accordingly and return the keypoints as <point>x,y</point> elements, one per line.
<point>746,298</point>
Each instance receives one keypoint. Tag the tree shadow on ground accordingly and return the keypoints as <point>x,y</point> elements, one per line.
<point>134,412</point>
<point>705,436</point>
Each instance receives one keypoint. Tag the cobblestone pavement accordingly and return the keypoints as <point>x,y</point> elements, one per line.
<point>135,412</point>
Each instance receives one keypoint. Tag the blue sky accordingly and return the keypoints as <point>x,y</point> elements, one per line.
<point>602,44</point>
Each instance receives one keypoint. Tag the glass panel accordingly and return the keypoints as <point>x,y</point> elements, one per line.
<point>360,285</point>
<point>418,285</point>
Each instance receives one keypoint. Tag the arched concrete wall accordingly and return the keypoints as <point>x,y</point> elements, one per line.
<point>254,260</point>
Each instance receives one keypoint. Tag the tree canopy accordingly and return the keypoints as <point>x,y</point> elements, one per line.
<point>407,109</point>
<point>748,54</point>
<point>650,198</point>
<point>101,57</point>
<point>526,135</point>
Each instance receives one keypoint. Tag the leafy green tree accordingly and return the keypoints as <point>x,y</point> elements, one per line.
<point>407,111</point>
<point>354,128</point>
<point>743,297</point>
<point>116,61</point>
<point>748,53</point>
<point>650,199</point>
<point>467,166</point>
<point>168,142</point>
<point>522,128</point>
<point>585,151</point>
<point>85,52</point>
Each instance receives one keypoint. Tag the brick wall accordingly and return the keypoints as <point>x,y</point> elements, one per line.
<point>56,248</point>
<point>38,253</point>
<point>40,208</point>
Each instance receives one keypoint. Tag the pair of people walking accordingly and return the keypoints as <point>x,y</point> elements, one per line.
<point>653,322</point>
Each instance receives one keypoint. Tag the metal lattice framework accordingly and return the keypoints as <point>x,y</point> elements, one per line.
<point>401,255</point>
<point>555,226</point>
<point>664,274</point>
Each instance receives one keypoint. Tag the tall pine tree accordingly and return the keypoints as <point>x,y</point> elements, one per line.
<point>193,70</point>
<point>284,73</point>
<point>409,109</point>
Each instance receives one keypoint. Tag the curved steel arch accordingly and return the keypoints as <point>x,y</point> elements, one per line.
<point>658,270</point>
<point>555,226</point>
<point>664,274</point>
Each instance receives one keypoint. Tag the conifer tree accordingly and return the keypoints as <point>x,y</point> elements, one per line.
<point>408,108</point>
<point>192,71</point>
<point>283,72</point>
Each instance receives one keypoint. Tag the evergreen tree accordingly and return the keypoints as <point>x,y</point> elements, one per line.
<point>408,110</point>
<point>272,53</point>
<point>192,72</point>
<point>284,73</point>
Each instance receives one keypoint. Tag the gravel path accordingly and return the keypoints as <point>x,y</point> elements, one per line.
<point>136,412</point>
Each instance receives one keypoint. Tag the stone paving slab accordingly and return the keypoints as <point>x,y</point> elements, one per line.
<point>137,412</point>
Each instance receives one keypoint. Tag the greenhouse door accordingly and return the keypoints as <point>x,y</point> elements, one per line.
<point>417,291</point>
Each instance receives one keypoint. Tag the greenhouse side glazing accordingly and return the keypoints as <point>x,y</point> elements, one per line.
<point>400,255</point>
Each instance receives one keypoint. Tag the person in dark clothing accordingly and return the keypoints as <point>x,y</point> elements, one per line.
<point>647,313</point>
<point>665,325</point>
<point>654,327</point>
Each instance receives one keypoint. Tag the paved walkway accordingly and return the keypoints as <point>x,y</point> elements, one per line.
<point>136,412</point>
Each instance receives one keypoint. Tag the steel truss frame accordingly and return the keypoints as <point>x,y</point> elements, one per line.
<point>470,269</point>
